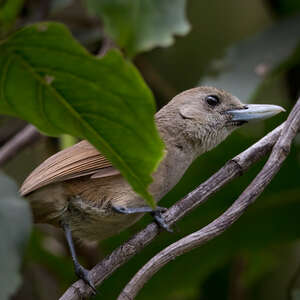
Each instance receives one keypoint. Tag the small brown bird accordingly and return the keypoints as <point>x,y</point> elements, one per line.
<point>79,190</point>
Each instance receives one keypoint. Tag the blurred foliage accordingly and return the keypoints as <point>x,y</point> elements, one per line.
<point>15,226</point>
<point>253,60</point>
<point>141,25</point>
<point>258,256</point>
<point>9,10</point>
<point>284,7</point>
<point>59,5</point>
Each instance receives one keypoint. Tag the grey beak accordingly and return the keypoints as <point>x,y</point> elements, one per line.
<point>252,112</point>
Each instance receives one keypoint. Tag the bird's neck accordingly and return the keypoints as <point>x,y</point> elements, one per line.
<point>179,154</point>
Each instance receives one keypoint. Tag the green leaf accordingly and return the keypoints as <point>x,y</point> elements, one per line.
<point>15,226</point>
<point>247,64</point>
<point>67,140</point>
<point>9,11</point>
<point>140,25</point>
<point>48,79</point>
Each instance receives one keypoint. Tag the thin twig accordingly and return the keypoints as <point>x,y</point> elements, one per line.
<point>232,169</point>
<point>107,44</point>
<point>25,137</point>
<point>279,153</point>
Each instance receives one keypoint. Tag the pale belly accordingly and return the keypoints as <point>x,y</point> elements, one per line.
<point>86,205</point>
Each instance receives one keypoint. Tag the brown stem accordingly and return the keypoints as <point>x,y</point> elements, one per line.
<point>279,153</point>
<point>25,137</point>
<point>232,169</point>
<point>107,44</point>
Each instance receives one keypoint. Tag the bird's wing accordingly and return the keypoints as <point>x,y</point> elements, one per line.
<point>79,160</point>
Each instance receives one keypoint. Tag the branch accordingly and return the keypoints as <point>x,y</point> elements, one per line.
<point>25,137</point>
<point>107,44</point>
<point>219,225</point>
<point>232,169</point>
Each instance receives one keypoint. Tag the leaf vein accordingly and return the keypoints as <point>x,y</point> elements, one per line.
<point>84,122</point>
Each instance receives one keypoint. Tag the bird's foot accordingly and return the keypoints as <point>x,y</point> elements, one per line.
<point>156,213</point>
<point>83,274</point>
<point>160,221</point>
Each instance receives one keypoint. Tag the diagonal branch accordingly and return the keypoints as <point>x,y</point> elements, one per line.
<point>22,139</point>
<point>279,153</point>
<point>232,169</point>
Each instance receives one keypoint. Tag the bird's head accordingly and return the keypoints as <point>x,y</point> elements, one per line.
<point>205,116</point>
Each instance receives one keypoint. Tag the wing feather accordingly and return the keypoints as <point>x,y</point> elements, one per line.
<point>82,159</point>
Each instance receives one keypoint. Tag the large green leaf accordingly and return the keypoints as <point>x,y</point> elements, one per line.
<point>140,25</point>
<point>15,225</point>
<point>48,79</point>
<point>247,64</point>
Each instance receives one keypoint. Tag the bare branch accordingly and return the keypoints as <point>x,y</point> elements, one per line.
<point>279,153</point>
<point>25,137</point>
<point>107,44</point>
<point>232,169</point>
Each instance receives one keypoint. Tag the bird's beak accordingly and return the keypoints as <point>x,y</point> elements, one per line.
<point>252,112</point>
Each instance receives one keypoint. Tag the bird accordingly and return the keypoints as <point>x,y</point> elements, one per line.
<point>80,191</point>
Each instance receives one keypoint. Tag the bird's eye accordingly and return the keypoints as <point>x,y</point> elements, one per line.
<point>212,100</point>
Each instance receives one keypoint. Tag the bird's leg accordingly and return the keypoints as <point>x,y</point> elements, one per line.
<point>156,213</point>
<point>80,271</point>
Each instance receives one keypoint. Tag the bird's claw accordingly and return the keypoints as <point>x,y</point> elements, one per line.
<point>160,209</point>
<point>159,218</point>
<point>156,213</point>
<point>83,274</point>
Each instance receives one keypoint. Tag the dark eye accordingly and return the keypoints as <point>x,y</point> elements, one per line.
<point>212,100</point>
